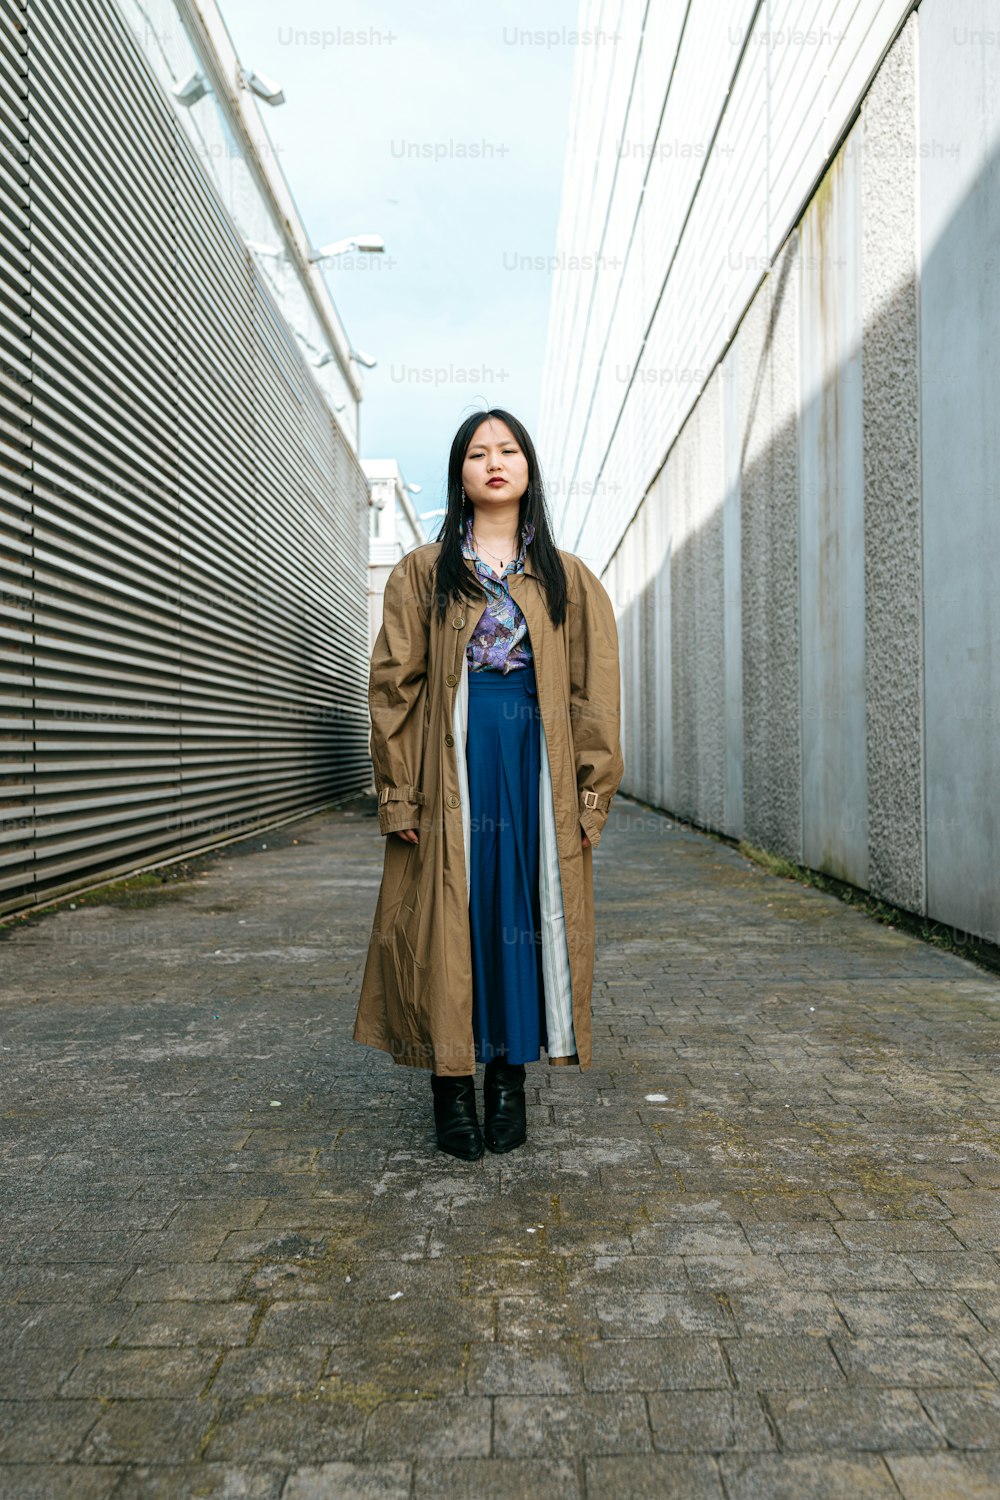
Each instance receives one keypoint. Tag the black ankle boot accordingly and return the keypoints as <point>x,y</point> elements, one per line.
<point>455,1116</point>
<point>503,1096</point>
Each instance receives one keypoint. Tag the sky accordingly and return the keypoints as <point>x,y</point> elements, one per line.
<point>444,132</point>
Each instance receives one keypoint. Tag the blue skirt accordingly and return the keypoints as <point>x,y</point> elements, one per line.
<point>503,748</point>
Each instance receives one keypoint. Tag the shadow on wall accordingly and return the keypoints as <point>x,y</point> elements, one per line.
<point>809,620</point>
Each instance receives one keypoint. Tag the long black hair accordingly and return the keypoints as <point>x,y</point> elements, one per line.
<point>454,579</point>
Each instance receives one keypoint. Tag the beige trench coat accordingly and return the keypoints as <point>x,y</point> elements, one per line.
<point>416,993</point>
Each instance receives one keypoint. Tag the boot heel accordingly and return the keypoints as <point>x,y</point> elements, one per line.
<point>506,1124</point>
<point>455,1116</point>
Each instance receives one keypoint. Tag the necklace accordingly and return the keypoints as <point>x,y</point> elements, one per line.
<point>487,551</point>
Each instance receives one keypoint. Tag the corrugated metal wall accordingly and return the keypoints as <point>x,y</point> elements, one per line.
<point>185,532</point>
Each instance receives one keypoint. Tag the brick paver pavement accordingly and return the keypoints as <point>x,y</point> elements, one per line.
<point>753,1252</point>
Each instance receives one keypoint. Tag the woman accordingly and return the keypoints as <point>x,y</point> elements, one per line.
<point>494,699</point>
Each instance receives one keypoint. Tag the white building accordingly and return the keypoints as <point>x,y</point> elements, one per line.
<point>769,423</point>
<point>395,530</point>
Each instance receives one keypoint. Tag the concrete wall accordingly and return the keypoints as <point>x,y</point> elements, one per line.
<point>959,411</point>
<point>808,597</point>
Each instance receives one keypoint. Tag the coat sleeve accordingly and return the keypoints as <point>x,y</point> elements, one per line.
<point>397,689</point>
<point>595,702</point>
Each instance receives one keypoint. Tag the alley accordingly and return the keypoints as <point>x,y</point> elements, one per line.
<point>752,1253</point>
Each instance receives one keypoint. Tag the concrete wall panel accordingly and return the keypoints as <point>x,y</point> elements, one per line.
<point>732,591</point>
<point>768,379</point>
<point>892,541</point>
<point>959,97</point>
<point>698,613</point>
<point>831,521</point>
<point>807,591</point>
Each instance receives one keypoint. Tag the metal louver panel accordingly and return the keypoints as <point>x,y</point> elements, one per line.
<point>16,713</point>
<point>185,528</point>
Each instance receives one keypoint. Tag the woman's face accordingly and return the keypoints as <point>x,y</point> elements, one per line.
<point>494,455</point>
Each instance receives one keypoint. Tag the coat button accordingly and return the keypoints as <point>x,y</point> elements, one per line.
<point>453,799</point>
<point>451,679</point>
<point>458,621</point>
<point>449,739</point>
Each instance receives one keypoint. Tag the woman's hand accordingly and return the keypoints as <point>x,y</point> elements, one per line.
<point>409,834</point>
<point>584,841</point>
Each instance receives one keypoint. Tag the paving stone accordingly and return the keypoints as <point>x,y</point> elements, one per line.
<point>204,1481</point>
<point>976,1234</point>
<point>173,1323</point>
<point>647,1364</point>
<point>788,1476</point>
<point>792,1362</point>
<point>729,1273</point>
<point>194,1215</point>
<point>947,1476</point>
<point>633,1273</point>
<point>629,1315</point>
<point>491,1479</point>
<point>914,1235</point>
<point>967,1419</point>
<point>157,1431</point>
<point>350,1481</point>
<point>546,1316</point>
<point>184,1283</point>
<point>832,1272</point>
<point>581,1240</point>
<point>985,1305</point>
<point>206,1294</point>
<point>117,1374</point>
<point>27,1374</point>
<point>908,1314</point>
<point>161,1247</point>
<point>291,1324</point>
<point>486,1276</point>
<point>402,1365</point>
<point>912,1362</point>
<point>502,1242</point>
<point>287,1430</point>
<point>973,1204</point>
<point>55,1325</point>
<point>268,1372</point>
<point>877,1421</point>
<point>39,1481</point>
<point>345,1320</point>
<point>782,1311</point>
<point>76,1246</point>
<point>908,1204</point>
<point>691,1239</point>
<point>445,1427</point>
<point>698,1208</point>
<point>44,1430</point>
<point>958,1269</point>
<point>783,1207</point>
<point>61,1283</point>
<point>792,1237</point>
<point>653,1479</point>
<point>709,1422</point>
<point>567,1426</point>
<point>543,1368</point>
